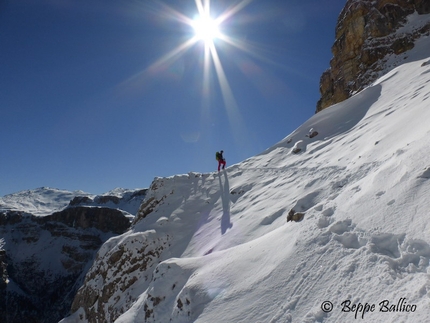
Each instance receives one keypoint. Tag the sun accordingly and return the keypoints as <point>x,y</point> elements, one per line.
<point>206,28</point>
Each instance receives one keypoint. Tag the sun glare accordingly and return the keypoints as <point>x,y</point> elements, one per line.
<point>206,28</point>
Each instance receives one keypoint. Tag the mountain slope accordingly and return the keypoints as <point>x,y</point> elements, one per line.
<point>211,247</point>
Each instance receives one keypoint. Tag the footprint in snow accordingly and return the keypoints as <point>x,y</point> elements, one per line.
<point>380,193</point>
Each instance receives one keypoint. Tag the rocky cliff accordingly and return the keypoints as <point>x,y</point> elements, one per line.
<point>43,259</point>
<point>3,273</point>
<point>368,32</point>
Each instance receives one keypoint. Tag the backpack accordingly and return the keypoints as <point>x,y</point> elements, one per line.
<point>217,156</point>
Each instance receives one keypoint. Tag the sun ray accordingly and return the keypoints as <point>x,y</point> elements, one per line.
<point>174,54</point>
<point>206,70</point>
<point>200,7</point>
<point>252,50</point>
<point>206,93</point>
<point>170,13</point>
<point>232,11</point>
<point>210,54</point>
<point>234,116</point>
<point>213,70</point>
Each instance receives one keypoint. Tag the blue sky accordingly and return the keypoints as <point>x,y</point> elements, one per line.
<point>87,101</point>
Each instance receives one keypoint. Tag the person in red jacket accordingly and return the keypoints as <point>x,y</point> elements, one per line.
<point>221,160</point>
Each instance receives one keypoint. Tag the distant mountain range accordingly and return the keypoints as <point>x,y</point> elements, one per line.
<point>49,238</point>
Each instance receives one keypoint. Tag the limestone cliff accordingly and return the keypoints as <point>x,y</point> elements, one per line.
<point>367,33</point>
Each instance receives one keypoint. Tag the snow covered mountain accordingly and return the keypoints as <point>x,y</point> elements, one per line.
<point>48,240</point>
<point>45,200</point>
<point>39,202</point>
<point>218,247</point>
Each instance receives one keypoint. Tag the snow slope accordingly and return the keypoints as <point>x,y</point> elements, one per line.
<point>218,247</point>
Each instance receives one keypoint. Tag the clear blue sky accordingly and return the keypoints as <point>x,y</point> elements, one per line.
<point>86,103</point>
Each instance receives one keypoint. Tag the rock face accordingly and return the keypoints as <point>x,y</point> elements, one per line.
<point>101,218</point>
<point>3,274</point>
<point>43,259</point>
<point>367,32</point>
<point>121,264</point>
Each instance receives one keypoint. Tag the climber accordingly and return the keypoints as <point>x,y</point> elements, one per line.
<point>220,158</point>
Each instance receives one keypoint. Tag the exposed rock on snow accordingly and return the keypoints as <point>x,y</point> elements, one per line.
<point>295,216</point>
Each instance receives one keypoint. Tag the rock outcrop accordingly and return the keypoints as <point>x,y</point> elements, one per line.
<point>367,32</point>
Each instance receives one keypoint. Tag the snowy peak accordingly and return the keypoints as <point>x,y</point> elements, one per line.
<point>41,201</point>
